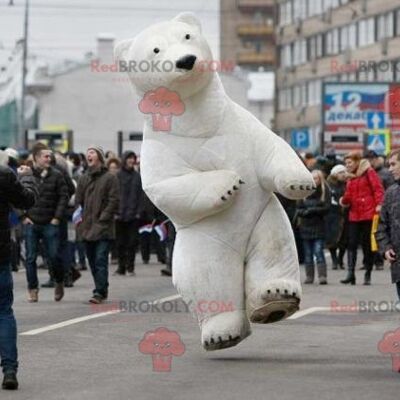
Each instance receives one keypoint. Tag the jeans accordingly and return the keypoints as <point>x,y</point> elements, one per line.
<point>8,325</point>
<point>97,254</point>
<point>127,238</point>
<point>398,289</point>
<point>50,235</point>
<point>313,247</point>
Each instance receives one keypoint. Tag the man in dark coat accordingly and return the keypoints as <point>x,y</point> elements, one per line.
<point>130,205</point>
<point>43,222</point>
<point>388,234</point>
<point>98,196</point>
<point>21,194</point>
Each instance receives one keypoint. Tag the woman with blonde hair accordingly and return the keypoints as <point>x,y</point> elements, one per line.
<point>311,214</point>
<point>364,197</point>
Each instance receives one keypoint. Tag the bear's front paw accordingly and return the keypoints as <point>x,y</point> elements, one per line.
<point>231,192</point>
<point>298,191</point>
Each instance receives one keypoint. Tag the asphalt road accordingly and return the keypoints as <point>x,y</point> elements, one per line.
<point>320,354</point>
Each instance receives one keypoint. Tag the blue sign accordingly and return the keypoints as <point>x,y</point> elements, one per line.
<point>378,143</point>
<point>376,120</point>
<point>300,138</point>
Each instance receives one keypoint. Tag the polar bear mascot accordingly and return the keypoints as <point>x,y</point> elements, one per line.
<point>213,168</point>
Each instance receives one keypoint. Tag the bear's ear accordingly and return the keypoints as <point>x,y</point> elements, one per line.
<point>188,18</point>
<point>121,49</point>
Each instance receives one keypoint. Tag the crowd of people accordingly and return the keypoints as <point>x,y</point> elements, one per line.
<point>77,209</point>
<point>354,204</point>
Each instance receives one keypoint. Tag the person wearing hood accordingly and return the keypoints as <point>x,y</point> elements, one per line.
<point>311,213</point>
<point>127,222</point>
<point>96,202</point>
<point>388,234</point>
<point>364,197</point>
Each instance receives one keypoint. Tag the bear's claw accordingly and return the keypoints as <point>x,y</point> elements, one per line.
<point>221,344</point>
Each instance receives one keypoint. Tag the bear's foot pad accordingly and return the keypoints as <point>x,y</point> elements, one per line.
<point>220,343</point>
<point>275,310</point>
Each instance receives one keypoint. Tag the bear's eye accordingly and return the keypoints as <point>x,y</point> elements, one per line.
<point>187,37</point>
<point>156,50</point>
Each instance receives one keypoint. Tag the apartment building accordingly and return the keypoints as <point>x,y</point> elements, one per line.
<point>322,41</point>
<point>247,33</point>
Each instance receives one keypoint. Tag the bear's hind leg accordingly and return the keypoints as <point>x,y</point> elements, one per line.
<point>209,275</point>
<point>272,276</point>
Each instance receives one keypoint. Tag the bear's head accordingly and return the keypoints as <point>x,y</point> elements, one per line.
<point>170,55</point>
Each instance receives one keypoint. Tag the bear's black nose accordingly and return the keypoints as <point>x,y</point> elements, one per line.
<point>186,62</point>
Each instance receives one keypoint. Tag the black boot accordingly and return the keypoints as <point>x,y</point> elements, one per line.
<point>350,278</point>
<point>309,274</point>
<point>322,274</point>
<point>367,276</point>
<point>334,258</point>
<point>10,381</point>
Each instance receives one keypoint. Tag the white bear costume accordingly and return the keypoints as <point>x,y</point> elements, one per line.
<point>213,174</point>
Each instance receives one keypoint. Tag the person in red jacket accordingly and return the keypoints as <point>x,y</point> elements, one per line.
<point>364,197</point>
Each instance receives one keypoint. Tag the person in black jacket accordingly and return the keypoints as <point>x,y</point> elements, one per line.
<point>388,234</point>
<point>127,222</point>
<point>43,222</point>
<point>21,194</point>
<point>311,213</point>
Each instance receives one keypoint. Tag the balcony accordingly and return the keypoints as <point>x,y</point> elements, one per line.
<point>253,5</point>
<point>253,58</point>
<point>255,30</point>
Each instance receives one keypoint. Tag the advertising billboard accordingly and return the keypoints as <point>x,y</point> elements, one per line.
<point>357,116</point>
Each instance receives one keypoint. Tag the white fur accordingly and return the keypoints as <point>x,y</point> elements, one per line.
<point>232,251</point>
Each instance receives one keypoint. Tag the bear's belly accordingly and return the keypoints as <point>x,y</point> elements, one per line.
<point>235,224</point>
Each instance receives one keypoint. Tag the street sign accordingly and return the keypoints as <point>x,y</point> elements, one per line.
<point>376,120</point>
<point>300,138</point>
<point>379,141</point>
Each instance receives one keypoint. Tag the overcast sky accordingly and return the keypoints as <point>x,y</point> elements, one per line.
<point>68,28</point>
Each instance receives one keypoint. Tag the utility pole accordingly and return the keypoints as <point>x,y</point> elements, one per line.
<point>23,92</point>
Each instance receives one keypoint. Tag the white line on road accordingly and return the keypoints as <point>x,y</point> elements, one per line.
<point>308,311</point>
<point>68,323</point>
<point>89,317</point>
<point>74,321</point>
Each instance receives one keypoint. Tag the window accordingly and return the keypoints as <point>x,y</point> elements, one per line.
<point>300,52</point>
<point>300,9</point>
<point>289,12</point>
<point>315,7</point>
<point>332,41</point>
<point>384,75</point>
<point>366,32</point>
<point>315,47</point>
<point>286,54</point>
<point>385,26</point>
<point>348,37</point>
<point>314,92</point>
<point>397,21</point>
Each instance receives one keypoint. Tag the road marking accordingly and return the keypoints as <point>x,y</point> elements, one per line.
<point>165,299</point>
<point>308,311</point>
<point>68,323</point>
<point>89,317</point>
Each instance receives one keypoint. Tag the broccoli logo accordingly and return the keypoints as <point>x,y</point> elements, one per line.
<point>162,344</point>
<point>390,344</point>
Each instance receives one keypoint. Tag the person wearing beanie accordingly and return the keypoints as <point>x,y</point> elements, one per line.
<point>130,208</point>
<point>96,204</point>
<point>100,153</point>
<point>337,218</point>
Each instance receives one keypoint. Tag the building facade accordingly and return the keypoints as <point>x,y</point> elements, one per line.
<point>247,33</point>
<point>330,41</point>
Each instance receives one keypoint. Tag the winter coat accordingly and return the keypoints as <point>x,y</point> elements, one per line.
<point>53,197</point>
<point>388,234</point>
<point>335,218</point>
<point>312,212</point>
<point>386,177</point>
<point>13,193</point>
<point>131,192</point>
<point>97,193</point>
<point>364,192</point>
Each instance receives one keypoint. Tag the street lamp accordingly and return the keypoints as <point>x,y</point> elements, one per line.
<point>23,92</point>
